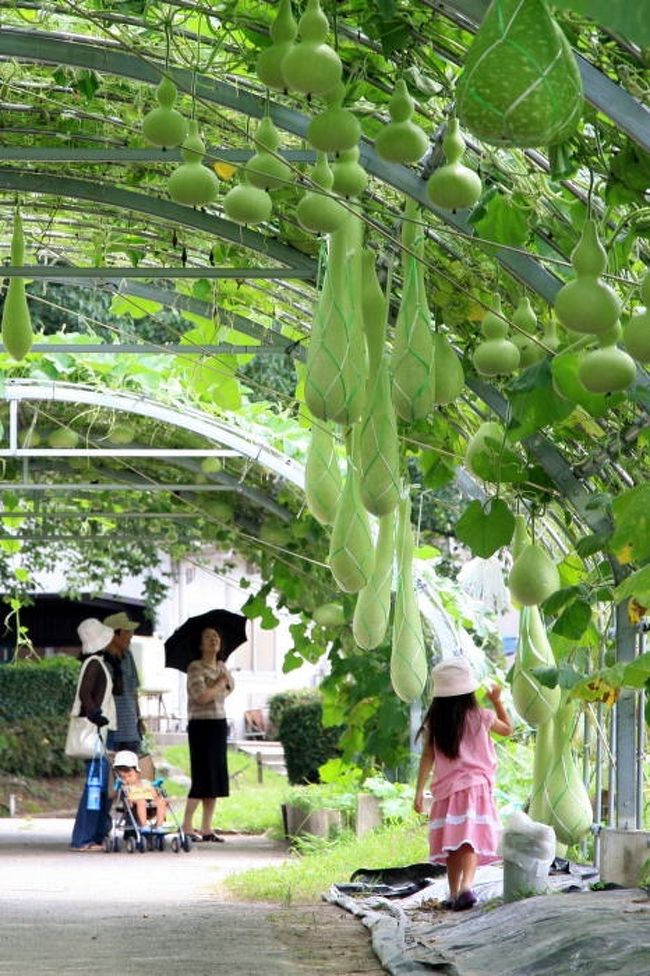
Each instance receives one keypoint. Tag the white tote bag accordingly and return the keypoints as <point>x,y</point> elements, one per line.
<point>84,738</point>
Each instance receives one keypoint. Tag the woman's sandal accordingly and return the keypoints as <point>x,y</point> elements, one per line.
<point>196,837</point>
<point>214,837</point>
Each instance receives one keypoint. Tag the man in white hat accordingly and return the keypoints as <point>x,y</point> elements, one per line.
<point>130,727</point>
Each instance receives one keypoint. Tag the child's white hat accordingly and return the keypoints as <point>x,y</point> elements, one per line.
<point>453,676</point>
<point>126,758</point>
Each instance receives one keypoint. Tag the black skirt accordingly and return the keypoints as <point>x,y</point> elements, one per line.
<point>207,738</point>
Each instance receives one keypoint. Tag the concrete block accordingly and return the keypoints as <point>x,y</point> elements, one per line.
<point>622,855</point>
<point>368,815</point>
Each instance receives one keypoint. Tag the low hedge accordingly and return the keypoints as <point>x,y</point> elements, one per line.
<point>35,701</point>
<point>307,745</point>
<point>279,703</point>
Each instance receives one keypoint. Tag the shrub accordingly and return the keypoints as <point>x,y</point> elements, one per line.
<point>278,704</point>
<point>307,745</point>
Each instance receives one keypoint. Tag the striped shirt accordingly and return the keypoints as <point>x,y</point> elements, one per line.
<point>127,703</point>
<point>200,678</point>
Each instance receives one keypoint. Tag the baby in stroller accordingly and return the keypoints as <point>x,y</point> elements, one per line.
<point>139,793</point>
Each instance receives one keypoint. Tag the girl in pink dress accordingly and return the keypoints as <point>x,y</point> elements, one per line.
<point>463,822</point>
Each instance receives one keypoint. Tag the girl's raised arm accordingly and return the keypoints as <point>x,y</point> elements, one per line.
<point>503,725</point>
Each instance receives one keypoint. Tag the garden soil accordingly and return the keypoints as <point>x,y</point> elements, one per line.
<point>63,912</point>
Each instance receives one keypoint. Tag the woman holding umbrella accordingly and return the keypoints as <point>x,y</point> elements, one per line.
<point>209,682</point>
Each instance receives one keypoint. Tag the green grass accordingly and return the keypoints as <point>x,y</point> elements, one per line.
<point>252,807</point>
<point>304,876</point>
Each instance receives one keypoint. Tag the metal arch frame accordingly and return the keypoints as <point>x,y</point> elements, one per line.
<point>60,49</point>
<point>220,433</point>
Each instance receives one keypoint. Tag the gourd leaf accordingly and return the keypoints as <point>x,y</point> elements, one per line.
<point>638,672</point>
<point>537,404</point>
<point>505,220</point>
<point>631,539</point>
<point>629,19</point>
<point>563,677</point>
<point>593,543</point>
<point>559,599</point>
<point>574,620</point>
<point>637,585</point>
<point>487,527</point>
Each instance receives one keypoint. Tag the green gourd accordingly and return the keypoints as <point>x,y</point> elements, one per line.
<point>350,178</point>
<point>323,482</point>
<point>401,141</point>
<point>351,554</point>
<point>412,365</point>
<point>318,212</point>
<point>192,183</point>
<point>165,126</point>
<point>454,186</point>
<point>488,456</point>
<point>218,509</point>
<point>329,615</point>
<point>587,304</point>
<point>63,438</point>
<point>636,334</point>
<point>520,84</point>
<point>496,356</point>
<point>372,609</point>
<point>448,375</point>
<point>534,703</point>
<point>539,809</point>
<point>534,576</point>
<point>550,338</point>
<point>17,332</point>
<point>312,66</point>
<point>408,662</point>
<point>247,204</point>
<point>265,170</point>
<point>121,434</point>
<point>335,383</point>
<point>337,128</point>
<point>269,63</point>
<point>211,465</point>
<point>524,317</point>
<point>607,370</point>
<point>373,312</point>
<point>569,807</point>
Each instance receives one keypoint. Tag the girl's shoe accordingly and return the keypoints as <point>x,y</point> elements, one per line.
<point>448,903</point>
<point>466,899</point>
<point>214,837</point>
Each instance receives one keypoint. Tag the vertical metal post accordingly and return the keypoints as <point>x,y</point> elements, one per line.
<point>626,739</point>
<point>641,738</point>
<point>260,767</point>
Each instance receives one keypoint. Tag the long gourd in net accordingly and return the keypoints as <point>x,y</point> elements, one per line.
<point>323,482</point>
<point>408,662</point>
<point>372,609</point>
<point>351,553</point>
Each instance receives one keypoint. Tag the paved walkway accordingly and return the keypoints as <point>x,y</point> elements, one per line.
<point>154,913</point>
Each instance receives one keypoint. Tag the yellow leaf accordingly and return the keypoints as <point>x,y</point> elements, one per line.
<point>625,554</point>
<point>635,611</point>
<point>224,171</point>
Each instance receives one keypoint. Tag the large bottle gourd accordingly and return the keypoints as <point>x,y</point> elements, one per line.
<point>192,183</point>
<point>520,84</point>
<point>401,140</point>
<point>454,186</point>
<point>379,450</point>
<point>165,126</point>
<point>336,128</point>
<point>636,334</point>
<point>534,575</point>
<point>495,355</point>
<point>17,333</point>
<point>336,358</point>
<point>561,799</point>
<point>408,662</point>
<point>372,609</point>
<point>588,304</point>
<point>265,170</point>
<point>351,553</point>
<point>323,482</point>
<point>312,66</point>
<point>269,63</point>
<point>412,366</point>
<point>534,703</point>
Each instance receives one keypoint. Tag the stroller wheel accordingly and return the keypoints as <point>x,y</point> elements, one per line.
<point>161,842</point>
<point>108,844</point>
<point>150,842</point>
<point>187,844</point>
<point>130,845</point>
<point>141,845</point>
<point>175,845</point>
<point>117,844</point>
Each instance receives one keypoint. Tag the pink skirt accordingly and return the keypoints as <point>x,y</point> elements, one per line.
<point>466,817</point>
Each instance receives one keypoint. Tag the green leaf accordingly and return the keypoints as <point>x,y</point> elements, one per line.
<point>625,17</point>
<point>631,512</point>
<point>593,543</point>
<point>136,308</point>
<point>565,677</point>
<point>564,369</point>
<point>637,585</point>
<point>637,673</point>
<point>574,620</point>
<point>291,662</point>
<point>559,599</point>
<point>487,527</point>
<point>505,220</point>
<point>534,402</point>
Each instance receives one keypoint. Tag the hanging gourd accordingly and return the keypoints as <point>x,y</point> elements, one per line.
<point>636,334</point>
<point>538,808</point>
<point>534,575</point>
<point>520,84</point>
<point>63,439</point>
<point>587,304</point>
<point>17,332</point>
<point>408,662</point>
<point>269,63</point>
<point>550,338</point>
<point>490,458</point>
<point>569,807</point>
<point>323,482</point>
<point>312,66</point>
<point>336,128</point>
<point>247,204</point>
<point>401,140</point>
<point>496,356</point>
<point>454,186</point>
<point>192,183</point>
<point>411,364</point>
<point>351,554</point>
<point>165,126</point>
<point>329,615</point>
<point>335,383</point>
<point>448,375</point>
<point>535,703</point>
<point>379,448</point>
<point>607,369</point>
<point>372,609</point>
<point>350,178</point>
<point>265,170</point>
<point>524,317</point>
<point>318,212</point>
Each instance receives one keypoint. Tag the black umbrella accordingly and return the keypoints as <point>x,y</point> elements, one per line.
<point>183,645</point>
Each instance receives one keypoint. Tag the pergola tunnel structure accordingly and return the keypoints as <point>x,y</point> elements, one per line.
<point>172,373</point>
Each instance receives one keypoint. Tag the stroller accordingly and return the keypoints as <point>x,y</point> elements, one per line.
<point>126,832</point>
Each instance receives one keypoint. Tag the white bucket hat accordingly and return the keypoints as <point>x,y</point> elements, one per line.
<point>126,758</point>
<point>453,676</point>
<point>94,635</point>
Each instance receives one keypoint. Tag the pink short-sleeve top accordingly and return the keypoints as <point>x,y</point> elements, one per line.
<point>476,762</point>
